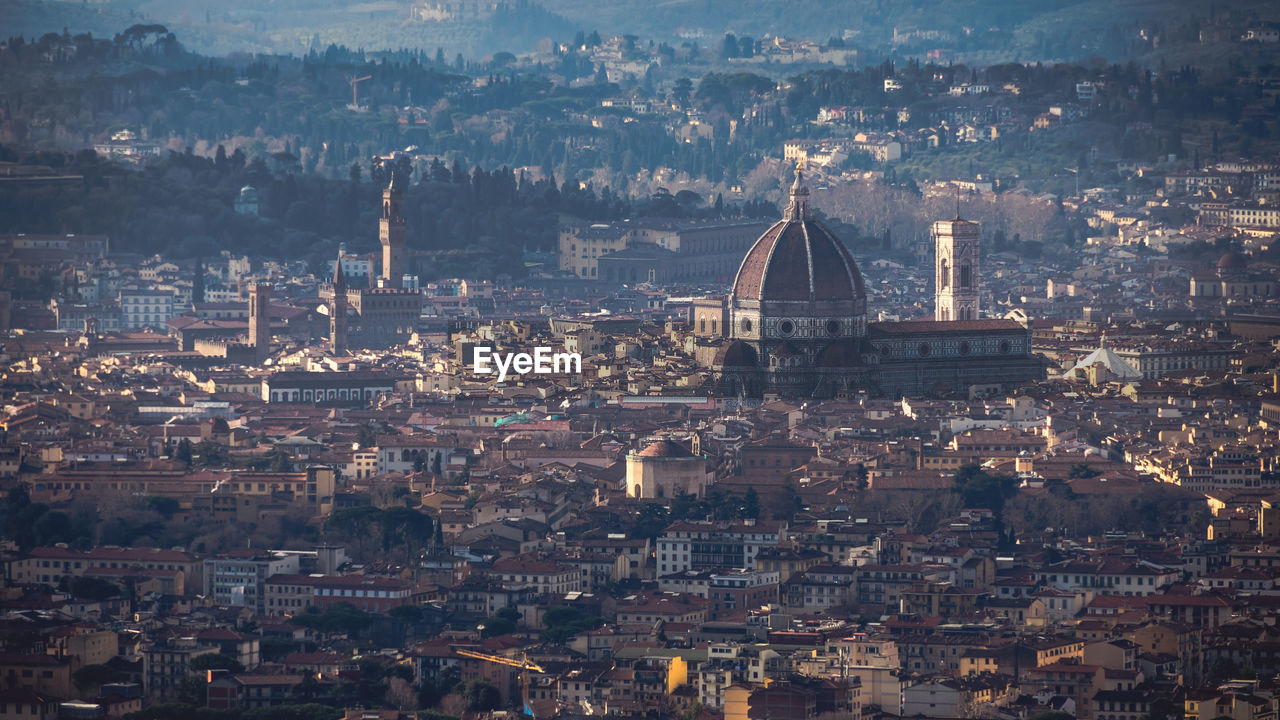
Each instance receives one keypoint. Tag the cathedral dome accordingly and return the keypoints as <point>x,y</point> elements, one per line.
<point>799,258</point>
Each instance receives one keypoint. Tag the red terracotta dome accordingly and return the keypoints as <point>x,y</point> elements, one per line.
<point>799,258</point>
<point>665,449</point>
<point>736,354</point>
<point>1232,260</point>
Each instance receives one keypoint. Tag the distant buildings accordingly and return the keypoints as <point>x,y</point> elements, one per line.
<point>657,250</point>
<point>124,145</point>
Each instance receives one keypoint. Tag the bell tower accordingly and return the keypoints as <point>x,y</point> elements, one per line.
<point>957,286</point>
<point>338,311</point>
<point>391,233</point>
<point>260,320</point>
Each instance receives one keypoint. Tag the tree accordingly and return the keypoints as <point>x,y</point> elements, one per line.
<point>681,90</point>
<point>355,523</point>
<point>980,489</point>
<point>183,452</point>
<point>683,505</point>
<point>307,689</point>
<point>90,677</point>
<point>400,693</point>
<point>860,476</point>
<point>688,199</point>
<point>730,47</point>
<point>563,623</point>
<point>53,527</point>
<point>94,588</point>
<point>407,614</point>
<point>165,506</point>
<point>211,454</point>
<point>274,649</point>
<point>192,690</point>
<point>407,528</point>
<point>482,696</point>
<point>338,618</point>
<point>280,461</point>
<point>446,680</point>
<point>215,661</point>
<point>650,522</point>
<point>751,504</point>
<point>502,622</point>
<point>693,712</point>
<point>197,278</point>
<point>1083,470</point>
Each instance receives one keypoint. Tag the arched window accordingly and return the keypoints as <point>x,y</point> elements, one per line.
<point>945,280</point>
<point>702,324</point>
<point>966,276</point>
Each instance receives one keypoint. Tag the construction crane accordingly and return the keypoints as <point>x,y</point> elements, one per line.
<point>523,664</point>
<point>355,86</point>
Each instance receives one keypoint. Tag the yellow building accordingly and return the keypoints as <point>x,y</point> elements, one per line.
<point>665,469</point>
<point>581,247</point>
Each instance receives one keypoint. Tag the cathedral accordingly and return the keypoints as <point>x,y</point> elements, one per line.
<point>795,321</point>
<point>385,313</point>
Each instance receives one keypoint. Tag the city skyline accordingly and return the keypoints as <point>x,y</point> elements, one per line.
<point>438,360</point>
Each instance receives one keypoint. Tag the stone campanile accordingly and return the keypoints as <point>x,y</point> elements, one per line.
<point>260,320</point>
<point>391,233</point>
<point>338,311</point>
<point>957,293</point>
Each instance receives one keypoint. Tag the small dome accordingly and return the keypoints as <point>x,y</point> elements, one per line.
<point>665,449</point>
<point>248,192</point>
<point>1232,260</point>
<point>736,354</point>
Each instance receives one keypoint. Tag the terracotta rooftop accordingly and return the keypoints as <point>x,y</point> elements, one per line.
<point>665,448</point>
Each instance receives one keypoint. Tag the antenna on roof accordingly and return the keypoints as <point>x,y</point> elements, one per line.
<point>957,201</point>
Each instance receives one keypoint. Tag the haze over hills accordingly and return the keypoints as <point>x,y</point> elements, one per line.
<point>974,31</point>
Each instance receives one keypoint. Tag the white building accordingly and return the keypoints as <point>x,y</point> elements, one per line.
<point>236,578</point>
<point>145,308</point>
